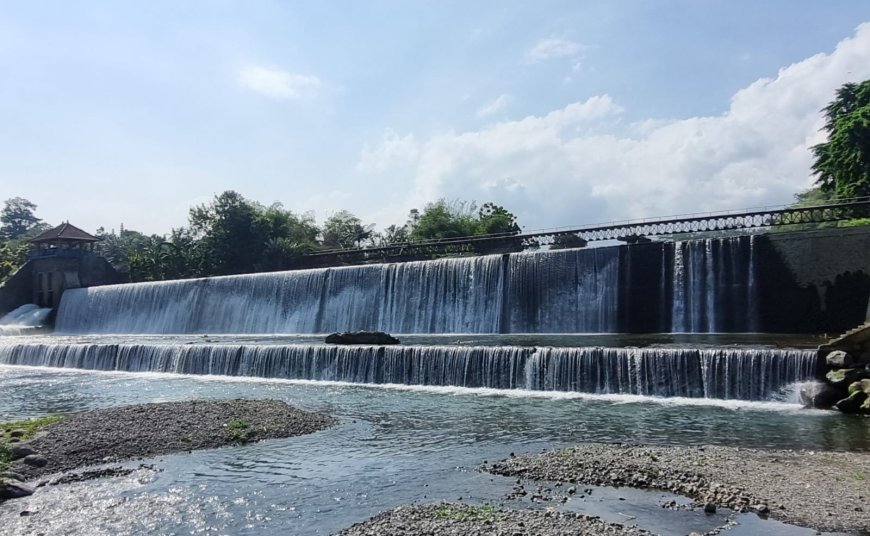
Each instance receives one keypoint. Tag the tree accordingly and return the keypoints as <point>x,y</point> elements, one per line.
<point>441,220</point>
<point>843,162</point>
<point>495,219</point>
<point>344,230</point>
<point>17,217</point>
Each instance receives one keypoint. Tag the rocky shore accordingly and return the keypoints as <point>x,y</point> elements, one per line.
<point>146,430</point>
<point>826,491</point>
<point>450,519</point>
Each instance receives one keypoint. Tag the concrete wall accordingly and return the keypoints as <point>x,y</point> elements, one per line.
<point>43,280</point>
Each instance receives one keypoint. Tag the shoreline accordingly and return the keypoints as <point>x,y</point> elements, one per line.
<point>822,490</point>
<point>140,431</point>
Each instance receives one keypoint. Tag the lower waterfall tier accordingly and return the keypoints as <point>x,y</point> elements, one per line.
<point>723,373</point>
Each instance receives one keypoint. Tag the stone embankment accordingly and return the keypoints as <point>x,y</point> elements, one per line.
<point>146,430</point>
<point>846,383</point>
<point>450,519</point>
<point>826,491</point>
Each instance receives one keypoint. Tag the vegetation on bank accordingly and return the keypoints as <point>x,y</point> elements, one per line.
<point>233,235</point>
<point>24,430</point>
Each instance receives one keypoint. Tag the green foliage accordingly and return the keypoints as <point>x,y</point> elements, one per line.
<point>344,230</point>
<point>30,426</point>
<point>459,219</point>
<point>17,217</point>
<point>13,254</point>
<point>843,162</point>
<point>238,430</point>
<point>239,236</point>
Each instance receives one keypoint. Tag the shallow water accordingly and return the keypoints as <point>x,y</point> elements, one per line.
<point>395,444</point>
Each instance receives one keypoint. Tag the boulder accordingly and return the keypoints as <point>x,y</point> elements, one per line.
<point>854,403</point>
<point>820,395</point>
<point>846,377</point>
<point>361,337</point>
<point>20,451</point>
<point>839,359</point>
<point>35,460</point>
<point>11,489</point>
<point>18,432</point>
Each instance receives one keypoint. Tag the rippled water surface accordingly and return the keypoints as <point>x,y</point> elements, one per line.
<point>394,445</point>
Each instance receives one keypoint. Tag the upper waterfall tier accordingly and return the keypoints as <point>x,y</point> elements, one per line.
<point>702,286</point>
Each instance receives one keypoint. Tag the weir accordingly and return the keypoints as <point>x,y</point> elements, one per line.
<point>692,286</point>
<point>723,373</point>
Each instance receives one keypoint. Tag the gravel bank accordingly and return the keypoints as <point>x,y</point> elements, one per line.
<point>145,430</point>
<point>828,491</point>
<point>451,519</point>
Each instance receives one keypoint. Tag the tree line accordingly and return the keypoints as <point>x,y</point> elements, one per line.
<point>233,235</point>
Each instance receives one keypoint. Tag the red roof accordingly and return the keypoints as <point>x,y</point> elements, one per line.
<point>65,232</point>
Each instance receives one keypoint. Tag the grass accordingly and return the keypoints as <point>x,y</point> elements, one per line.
<point>484,512</point>
<point>30,427</point>
<point>238,430</point>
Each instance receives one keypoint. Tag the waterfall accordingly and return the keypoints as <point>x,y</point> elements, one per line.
<point>23,320</point>
<point>729,373</point>
<point>696,286</point>
<point>714,286</point>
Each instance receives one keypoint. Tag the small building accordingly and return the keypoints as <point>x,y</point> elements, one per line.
<point>61,258</point>
<point>50,254</point>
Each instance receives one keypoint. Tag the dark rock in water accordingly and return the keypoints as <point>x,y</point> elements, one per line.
<point>854,403</point>
<point>710,508</point>
<point>13,490</point>
<point>35,460</point>
<point>820,395</point>
<point>839,359</point>
<point>361,337</point>
<point>20,451</point>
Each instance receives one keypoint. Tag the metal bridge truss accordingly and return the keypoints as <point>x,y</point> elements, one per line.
<point>629,231</point>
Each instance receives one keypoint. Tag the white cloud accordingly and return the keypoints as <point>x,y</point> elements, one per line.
<point>279,84</point>
<point>569,166</point>
<point>392,151</point>
<point>499,104</point>
<point>550,48</point>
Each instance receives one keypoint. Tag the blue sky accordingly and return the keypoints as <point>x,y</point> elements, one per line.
<point>565,112</point>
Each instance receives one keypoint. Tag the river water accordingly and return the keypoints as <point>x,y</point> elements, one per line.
<point>395,444</point>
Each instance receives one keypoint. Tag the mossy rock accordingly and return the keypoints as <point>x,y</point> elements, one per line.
<point>855,403</point>
<point>844,377</point>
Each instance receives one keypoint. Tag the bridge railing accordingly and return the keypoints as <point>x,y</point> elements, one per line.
<point>628,230</point>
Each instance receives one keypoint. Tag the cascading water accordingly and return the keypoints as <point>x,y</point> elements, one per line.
<point>23,320</point>
<point>747,374</point>
<point>714,286</point>
<point>704,286</point>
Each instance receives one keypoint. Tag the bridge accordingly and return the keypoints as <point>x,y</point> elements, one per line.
<point>631,231</point>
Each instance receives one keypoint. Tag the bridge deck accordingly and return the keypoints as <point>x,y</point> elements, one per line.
<point>628,231</point>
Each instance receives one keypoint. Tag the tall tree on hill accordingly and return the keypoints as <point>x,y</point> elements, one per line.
<point>17,217</point>
<point>843,162</point>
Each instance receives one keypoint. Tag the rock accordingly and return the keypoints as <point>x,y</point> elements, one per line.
<point>820,395</point>
<point>10,489</point>
<point>854,403</point>
<point>862,385</point>
<point>20,451</point>
<point>839,359</point>
<point>35,460</point>
<point>709,508</point>
<point>361,337</point>
<point>18,432</point>
<point>846,377</point>
<point>14,476</point>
